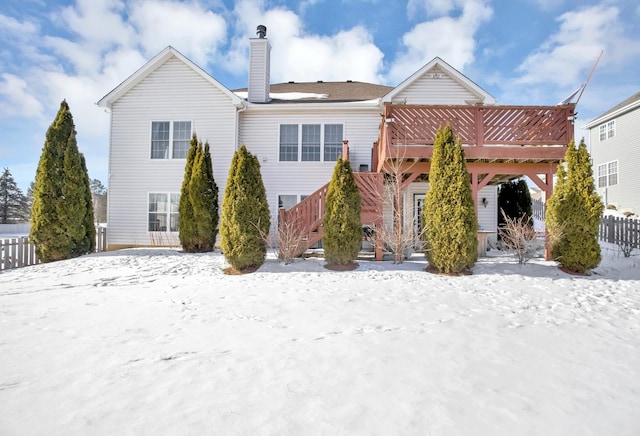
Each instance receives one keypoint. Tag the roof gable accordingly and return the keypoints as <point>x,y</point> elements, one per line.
<point>431,70</point>
<point>630,103</point>
<point>156,62</point>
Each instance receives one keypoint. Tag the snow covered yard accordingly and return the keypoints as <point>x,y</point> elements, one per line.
<point>158,342</point>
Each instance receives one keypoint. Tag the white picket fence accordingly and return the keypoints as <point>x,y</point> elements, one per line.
<point>18,252</point>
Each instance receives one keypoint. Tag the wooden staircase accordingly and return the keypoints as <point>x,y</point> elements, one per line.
<point>304,221</point>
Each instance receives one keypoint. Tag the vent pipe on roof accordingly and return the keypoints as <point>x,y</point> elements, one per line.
<point>261,31</point>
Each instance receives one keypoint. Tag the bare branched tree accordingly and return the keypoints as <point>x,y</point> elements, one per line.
<point>398,233</point>
<point>519,236</point>
<point>286,241</point>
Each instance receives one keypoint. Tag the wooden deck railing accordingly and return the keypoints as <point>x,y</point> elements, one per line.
<point>480,125</point>
<point>306,218</point>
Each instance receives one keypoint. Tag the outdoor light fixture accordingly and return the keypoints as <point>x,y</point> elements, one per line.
<point>485,202</point>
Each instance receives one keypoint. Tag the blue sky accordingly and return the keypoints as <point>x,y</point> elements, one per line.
<point>520,51</point>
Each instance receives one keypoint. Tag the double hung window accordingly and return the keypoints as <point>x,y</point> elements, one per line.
<point>310,142</point>
<point>607,130</point>
<point>608,174</point>
<point>163,212</point>
<point>170,139</point>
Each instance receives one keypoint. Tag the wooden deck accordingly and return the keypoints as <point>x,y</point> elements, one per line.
<point>500,143</point>
<point>532,134</point>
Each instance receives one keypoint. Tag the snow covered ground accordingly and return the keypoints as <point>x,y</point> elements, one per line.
<point>158,342</point>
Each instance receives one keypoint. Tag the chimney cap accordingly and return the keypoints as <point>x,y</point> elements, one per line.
<point>261,31</point>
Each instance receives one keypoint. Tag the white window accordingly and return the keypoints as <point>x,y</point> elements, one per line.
<point>607,130</point>
<point>332,142</point>
<point>288,142</point>
<point>611,129</point>
<point>310,142</point>
<point>163,212</point>
<point>287,201</point>
<point>608,174</point>
<point>170,139</point>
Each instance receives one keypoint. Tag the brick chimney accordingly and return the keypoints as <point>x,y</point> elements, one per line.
<point>259,66</point>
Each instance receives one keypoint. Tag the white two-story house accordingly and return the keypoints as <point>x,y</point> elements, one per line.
<point>297,130</point>
<point>614,140</point>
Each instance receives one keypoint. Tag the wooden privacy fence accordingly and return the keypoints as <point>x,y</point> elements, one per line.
<point>18,252</point>
<point>538,209</point>
<point>624,232</point>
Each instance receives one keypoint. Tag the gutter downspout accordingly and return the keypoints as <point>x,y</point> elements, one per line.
<point>237,124</point>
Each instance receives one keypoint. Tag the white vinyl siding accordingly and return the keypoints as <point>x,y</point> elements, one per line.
<point>172,92</point>
<point>259,70</point>
<point>436,87</point>
<point>260,132</point>
<point>623,148</point>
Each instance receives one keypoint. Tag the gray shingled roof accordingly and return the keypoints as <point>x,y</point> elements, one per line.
<point>334,91</point>
<point>626,102</point>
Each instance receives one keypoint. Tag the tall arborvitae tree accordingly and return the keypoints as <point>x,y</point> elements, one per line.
<point>450,243</point>
<point>186,221</point>
<point>62,212</point>
<point>342,223</point>
<point>573,213</point>
<point>245,218</point>
<point>514,199</point>
<point>13,203</point>
<point>88,242</point>
<point>203,192</point>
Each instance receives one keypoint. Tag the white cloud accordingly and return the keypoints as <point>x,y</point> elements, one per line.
<point>98,22</point>
<point>80,92</point>
<point>17,101</point>
<point>15,28</point>
<point>189,27</point>
<point>451,38</point>
<point>296,55</point>
<point>117,65</point>
<point>567,55</point>
<point>431,7</point>
<point>349,54</point>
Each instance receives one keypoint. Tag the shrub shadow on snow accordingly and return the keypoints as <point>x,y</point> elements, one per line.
<point>142,252</point>
<point>317,264</point>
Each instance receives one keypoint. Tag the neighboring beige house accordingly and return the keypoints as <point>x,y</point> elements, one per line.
<point>297,131</point>
<point>614,140</point>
